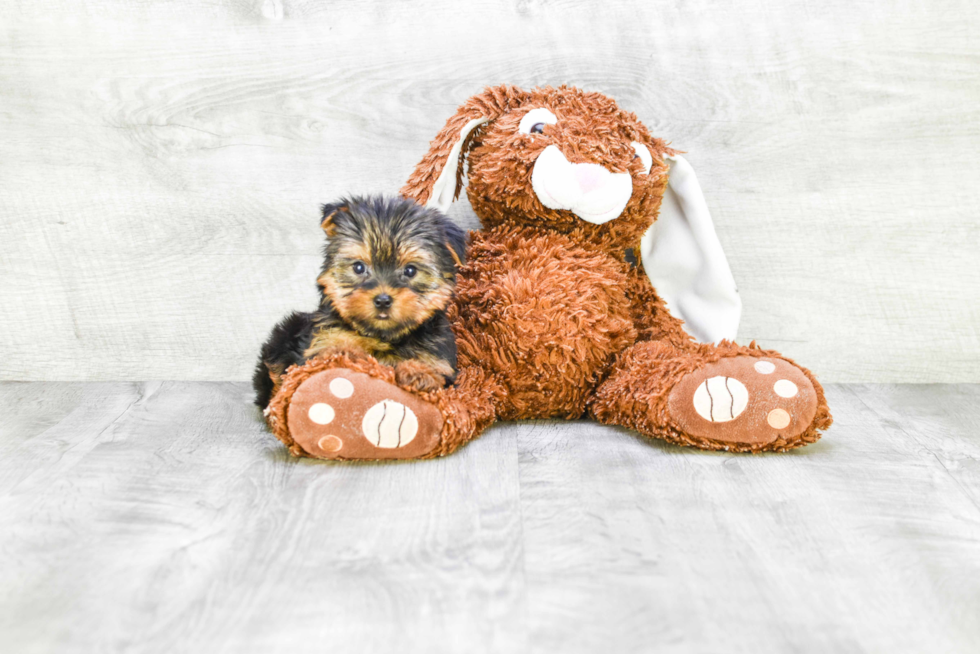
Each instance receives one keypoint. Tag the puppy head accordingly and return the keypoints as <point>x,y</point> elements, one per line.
<point>389,264</point>
<point>560,158</point>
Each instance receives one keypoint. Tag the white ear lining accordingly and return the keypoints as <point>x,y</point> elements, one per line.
<point>684,260</point>
<point>643,152</point>
<point>444,188</point>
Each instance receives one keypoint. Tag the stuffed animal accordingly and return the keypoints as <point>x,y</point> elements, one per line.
<point>575,300</point>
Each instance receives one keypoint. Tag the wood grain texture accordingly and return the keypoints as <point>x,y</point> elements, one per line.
<point>161,163</point>
<point>860,543</point>
<point>161,517</point>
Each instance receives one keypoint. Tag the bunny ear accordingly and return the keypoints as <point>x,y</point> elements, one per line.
<point>683,258</point>
<point>436,180</point>
<point>446,187</point>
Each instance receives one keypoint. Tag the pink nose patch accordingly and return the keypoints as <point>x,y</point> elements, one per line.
<point>589,176</point>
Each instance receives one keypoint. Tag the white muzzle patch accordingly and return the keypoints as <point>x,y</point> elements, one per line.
<point>588,190</point>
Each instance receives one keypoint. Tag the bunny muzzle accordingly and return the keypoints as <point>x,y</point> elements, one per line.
<point>588,190</point>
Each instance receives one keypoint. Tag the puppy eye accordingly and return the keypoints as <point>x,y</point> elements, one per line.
<point>410,271</point>
<point>534,121</point>
<point>644,154</point>
<point>359,268</point>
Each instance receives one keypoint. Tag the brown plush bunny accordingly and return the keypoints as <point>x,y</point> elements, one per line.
<point>556,315</point>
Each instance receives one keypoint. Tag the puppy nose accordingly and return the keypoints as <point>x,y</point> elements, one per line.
<point>382,301</point>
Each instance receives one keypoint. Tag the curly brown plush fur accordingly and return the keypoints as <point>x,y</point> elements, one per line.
<point>553,317</point>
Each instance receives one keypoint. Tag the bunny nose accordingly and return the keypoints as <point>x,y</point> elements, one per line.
<point>588,190</point>
<point>589,176</point>
<point>382,301</point>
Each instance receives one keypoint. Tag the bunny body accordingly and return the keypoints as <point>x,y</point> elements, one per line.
<point>555,315</point>
<point>546,336</point>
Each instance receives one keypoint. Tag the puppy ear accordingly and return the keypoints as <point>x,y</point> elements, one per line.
<point>437,179</point>
<point>684,260</point>
<point>329,213</point>
<point>455,242</point>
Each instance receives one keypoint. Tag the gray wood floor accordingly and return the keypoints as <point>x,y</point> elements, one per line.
<point>161,517</point>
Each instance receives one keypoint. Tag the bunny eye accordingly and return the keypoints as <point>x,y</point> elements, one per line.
<point>534,121</point>
<point>644,154</point>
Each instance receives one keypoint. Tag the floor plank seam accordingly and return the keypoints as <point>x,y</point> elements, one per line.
<point>520,514</point>
<point>911,435</point>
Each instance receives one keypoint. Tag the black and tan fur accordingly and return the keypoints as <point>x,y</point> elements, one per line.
<point>380,251</point>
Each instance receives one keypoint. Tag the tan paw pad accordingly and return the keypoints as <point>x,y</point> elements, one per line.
<point>350,415</point>
<point>744,400</point>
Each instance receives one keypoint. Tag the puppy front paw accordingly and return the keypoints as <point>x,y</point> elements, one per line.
<point>352,353</point>
<point>419,376</point>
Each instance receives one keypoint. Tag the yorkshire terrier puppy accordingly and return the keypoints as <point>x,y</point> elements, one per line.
<point>389,272</point>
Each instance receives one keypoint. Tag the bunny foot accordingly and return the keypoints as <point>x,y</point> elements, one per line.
<point>342,414</point>
<point>744,400</point>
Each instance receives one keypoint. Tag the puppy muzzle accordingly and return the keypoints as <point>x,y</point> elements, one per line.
<point>588,190</point>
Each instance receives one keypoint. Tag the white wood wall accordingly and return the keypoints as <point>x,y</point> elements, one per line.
<point>161,163</point>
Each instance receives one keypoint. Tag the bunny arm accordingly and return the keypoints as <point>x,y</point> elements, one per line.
<point>651,317</point>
